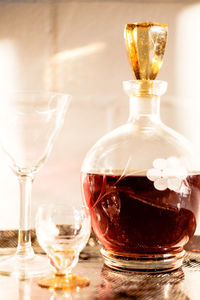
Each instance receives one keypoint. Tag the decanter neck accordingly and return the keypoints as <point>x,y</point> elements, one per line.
<point>145,109</point>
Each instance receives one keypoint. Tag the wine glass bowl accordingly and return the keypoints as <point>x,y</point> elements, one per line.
<point>32,121</point>
<point>63,232</point>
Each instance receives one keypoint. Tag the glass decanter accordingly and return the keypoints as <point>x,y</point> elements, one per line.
<point>141,182</point>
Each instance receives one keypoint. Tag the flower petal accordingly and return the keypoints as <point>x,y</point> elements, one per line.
<point>180,172</point>
<point>160,184</point>
<point>153,174</point>
<point>184,173</point>
<point>167,173</point>
<point>160,163</point>
<point>173,162</point>
<point>174,183</point>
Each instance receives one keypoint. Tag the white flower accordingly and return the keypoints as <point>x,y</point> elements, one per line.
<point>167,173</point>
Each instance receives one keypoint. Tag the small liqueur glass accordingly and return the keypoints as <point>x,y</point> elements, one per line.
<point>63,232</point>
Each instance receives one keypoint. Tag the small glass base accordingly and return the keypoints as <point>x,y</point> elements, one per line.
<point>143,262</point>
<point>21,268</point>
<point>63,282</point>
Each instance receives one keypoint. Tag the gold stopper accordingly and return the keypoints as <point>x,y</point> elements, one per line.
<point>145,43</point>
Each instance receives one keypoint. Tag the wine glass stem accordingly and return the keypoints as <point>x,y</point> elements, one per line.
<point>24,249</point>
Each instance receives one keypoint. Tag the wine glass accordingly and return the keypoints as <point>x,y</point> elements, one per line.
<point>29,123</point>
<point>63,232</point>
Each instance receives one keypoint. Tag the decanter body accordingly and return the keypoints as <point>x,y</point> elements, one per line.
<point>141,183</point>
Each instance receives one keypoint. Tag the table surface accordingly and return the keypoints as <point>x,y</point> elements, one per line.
<point>183,284</point>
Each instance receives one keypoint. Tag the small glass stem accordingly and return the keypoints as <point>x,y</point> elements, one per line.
<point>24,249</point>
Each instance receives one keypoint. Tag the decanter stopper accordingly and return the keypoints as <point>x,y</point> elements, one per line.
<point>145,43</point>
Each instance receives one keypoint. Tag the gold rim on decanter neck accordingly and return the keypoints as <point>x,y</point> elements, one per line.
<point>145,44</point>
<point>144,88</point>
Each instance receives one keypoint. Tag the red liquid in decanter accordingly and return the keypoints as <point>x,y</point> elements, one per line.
<point>130,216</point>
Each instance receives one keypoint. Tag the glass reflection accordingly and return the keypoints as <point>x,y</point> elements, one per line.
<point>134,285</point>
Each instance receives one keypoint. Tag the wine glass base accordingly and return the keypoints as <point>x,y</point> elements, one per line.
<point>11,265</point>
<point>63,282</point>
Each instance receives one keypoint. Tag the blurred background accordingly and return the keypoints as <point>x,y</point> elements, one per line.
<point>77,47</point>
